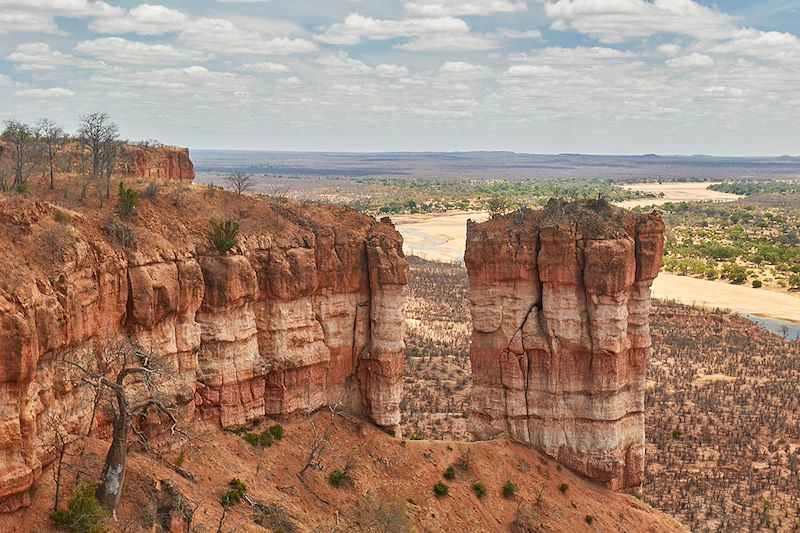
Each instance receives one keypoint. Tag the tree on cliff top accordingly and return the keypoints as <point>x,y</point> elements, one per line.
<point>240,182</point>
<point>21,141</point>
<point>54,140</point>
<point>100,135</point>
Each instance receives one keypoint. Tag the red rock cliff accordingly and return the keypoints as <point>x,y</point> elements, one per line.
<point>560,302</point>
<point>307,309</point>
<point>156,162</point>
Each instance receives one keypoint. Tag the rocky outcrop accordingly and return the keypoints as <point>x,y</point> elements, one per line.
<point>560,302</point>
<point>306,311</point>
<point>156,162</point>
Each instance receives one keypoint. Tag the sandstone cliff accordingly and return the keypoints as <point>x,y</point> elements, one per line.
<point>560,301</point>
<point>156,162</point>
<point>307,309</point>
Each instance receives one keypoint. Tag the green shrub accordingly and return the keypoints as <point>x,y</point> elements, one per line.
<point>234,495</point>
<point>259,440</point>
<point>450,473</point>
<point>589,519</point>
<point>510,489</point>
<point>337,478</point>
<point>563,488</point>
<point>479,489</point>
<point>23,188</point>
<point>224,235</point>
<point>757,284</point>
<point>441,489</point>
<point>180,459</point>
<point>83,514</point>
<point>414,437</point>
<point>128,200</point>
<point>276,431</point>
<point>677,433</point>
<point>636,495</point>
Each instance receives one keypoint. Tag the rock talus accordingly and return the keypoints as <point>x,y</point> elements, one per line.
<point>291,320</point>
<point>560,302</point>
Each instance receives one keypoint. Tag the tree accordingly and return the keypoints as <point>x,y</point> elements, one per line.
<point>53,139</point>
<point>240,182</point>
<point>22,144</point>
<point>126,404</point>
<point>99,134</point>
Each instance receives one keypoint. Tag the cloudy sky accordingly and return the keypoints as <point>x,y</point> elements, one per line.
<point>543,76</point>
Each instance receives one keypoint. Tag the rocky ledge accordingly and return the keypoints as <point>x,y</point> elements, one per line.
<point>560,302</point>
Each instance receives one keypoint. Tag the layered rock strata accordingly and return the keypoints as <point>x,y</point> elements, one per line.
<point>156,162</point>
<point>306,311</point>
<point>560,302</point>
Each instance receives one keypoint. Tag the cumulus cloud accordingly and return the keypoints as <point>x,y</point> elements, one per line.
<point>451,8</point>
<point>144,19</point>
<point>265,67</point>
<point>52,92</point>
<point>615,21</point>
<point>119,50</point>
<point>356,27</point>
<point>693,60</point>
<point>222,36</point>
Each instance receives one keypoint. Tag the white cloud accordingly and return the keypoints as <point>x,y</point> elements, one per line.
<point>464,70</point>
<point>39,57</point>
<point>356,27</point>
<point>615,21</point>
<point>451,8</point>
<point>693,60</point>
<point>341,64</point>
<point>144,19</point>
<point>63,8</point>
<point>266,67</point>
<point>222,36</point>
<point>26,22</point>
<point>119,50</point>
<point>386,70</point>
<point>53,92</point>
<point>525,71</point>
<point>448,41</point>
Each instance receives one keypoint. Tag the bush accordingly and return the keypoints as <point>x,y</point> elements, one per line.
<point>563,488</point>
<point>276,431</point>
<point>479,489</point>
<point>224,235</point>
<point>259,440</point>
<point>757,284</point>
<point>235,495</point>
<point>337,478</point>
<point>128,201</point>
<point>151,191</point>
<point>441,489</point>
<point>450,473</point>
<point>180,459</point>
<point>677,433</point>
<point>414,437</point>
<point>589,519</point>
<point>510,489</point>
<point>23,188</point>
<point>83,514</point>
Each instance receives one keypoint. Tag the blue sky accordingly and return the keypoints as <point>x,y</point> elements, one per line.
<point>591,76</point>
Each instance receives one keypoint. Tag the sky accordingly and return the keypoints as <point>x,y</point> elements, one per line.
<point>539,76</point>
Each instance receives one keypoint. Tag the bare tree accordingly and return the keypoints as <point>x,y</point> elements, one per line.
<point>22,144</point>
<point>98,133</point>
<point>53,140</point>
<point>241,182</point>
<point>125,405</point>
<point>111,149</point>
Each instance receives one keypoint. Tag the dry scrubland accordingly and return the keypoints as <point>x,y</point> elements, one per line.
<point>721,410</point>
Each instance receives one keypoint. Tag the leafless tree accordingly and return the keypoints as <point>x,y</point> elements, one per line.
<point>99,134</point>
<point>111,149</point>
<point>125,405</point>
<point>21,140</point>
<point>240,182</point>
<point>62,440</point>
<point>53,140</point>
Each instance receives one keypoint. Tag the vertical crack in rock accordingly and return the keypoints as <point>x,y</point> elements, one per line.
<point>592,265</point>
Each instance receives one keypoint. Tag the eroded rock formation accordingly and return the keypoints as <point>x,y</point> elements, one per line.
<point>305,311</point>
<point>560,302</point>
<point>156,162</point>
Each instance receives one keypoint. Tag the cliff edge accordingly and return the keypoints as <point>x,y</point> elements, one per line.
<point>305,311</point>
<point>560,301</point>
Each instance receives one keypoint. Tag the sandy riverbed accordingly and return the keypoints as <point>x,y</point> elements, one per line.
<point>676,192</point>
<point>442,237</point>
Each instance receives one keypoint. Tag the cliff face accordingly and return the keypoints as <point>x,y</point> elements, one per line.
<point>306,310</point>
<point>560,302</point>
<point>156,162</point>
